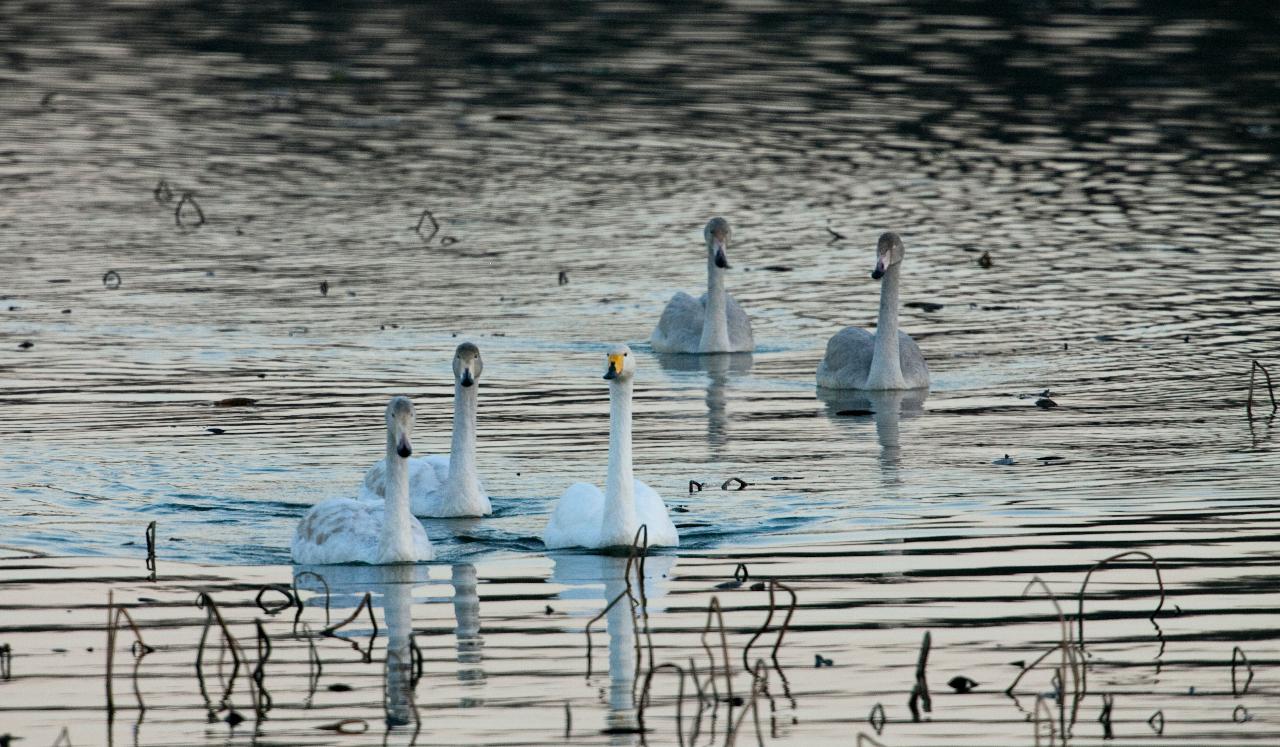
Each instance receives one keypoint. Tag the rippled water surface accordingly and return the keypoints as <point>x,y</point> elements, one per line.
<point>1115,161</point>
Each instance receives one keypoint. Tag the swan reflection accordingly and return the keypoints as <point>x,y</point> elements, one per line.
<point>719,369</point>
<point>585,575</point>
<point>886,408</point>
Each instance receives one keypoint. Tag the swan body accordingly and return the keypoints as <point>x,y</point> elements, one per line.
<point>587,517</point>
<point>888,359</point>
<point>446,485</point>
<point>342,530</point>
<point>714,323</point>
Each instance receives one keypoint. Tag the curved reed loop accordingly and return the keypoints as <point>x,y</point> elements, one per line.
<point>773,586</point>
<point>297,597</point>
<point>1099,565</point>
<point>366,604</point>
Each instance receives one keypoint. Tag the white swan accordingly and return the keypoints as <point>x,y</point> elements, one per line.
<point>342,530</point>
<point>585,517</point>
<point>444,485</point>
<point>714,323</point>
<point>889,359</point>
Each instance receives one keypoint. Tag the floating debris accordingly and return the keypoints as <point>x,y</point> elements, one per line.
<point>162,192</point>
<point>563,279</point>
<point>985,261</point>
<point>927,306</point>
<point>1156,722</point>
<point>188,199</point>
<point>339,687</point>
<point>961,684</point>
<point>550,610</point>
<point>777,268</point>
<point>1104,718</point>
<point>111,279</point>
<point>26,345</point>
<point>695,487</point>
<point>1044,403</point>
<point>742,484</point>
<point>347,726</point>
<point>740,575</point>
<point>834,238</point>
<point>820,661</point>
<point>1005,461</point>
<point>1253,369</point>
<point>216,431</point>
<point>435,227</point>
<point>877,718</point>
<point>235,402</point>
<point>324,287</point>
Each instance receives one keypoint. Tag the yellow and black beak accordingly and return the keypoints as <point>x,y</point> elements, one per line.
<point>615,366</point>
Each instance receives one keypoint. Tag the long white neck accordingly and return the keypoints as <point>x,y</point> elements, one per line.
<point>715,321</point>
<point>463,481</point>
<point>620,523</point>
<point>886,363</point>
<point>396,543</point>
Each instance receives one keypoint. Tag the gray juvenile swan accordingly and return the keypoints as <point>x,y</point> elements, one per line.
<point>714,323</point>
<point>889,359</point>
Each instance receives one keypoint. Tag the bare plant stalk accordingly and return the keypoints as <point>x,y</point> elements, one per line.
<point>1253,369</point>
<point>1100,564</point>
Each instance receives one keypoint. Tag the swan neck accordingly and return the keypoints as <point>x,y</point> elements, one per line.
<point>619,492</point>
<point>462,451</point>
<point>886,362</point>
<point>396,544</point>
<point>715,320</point>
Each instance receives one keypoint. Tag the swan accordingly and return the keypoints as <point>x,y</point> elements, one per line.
<point>342,530</point>
<point>889,359</point>
<point>714,323</point>
<point>445,485</point>
<point>585,517</point>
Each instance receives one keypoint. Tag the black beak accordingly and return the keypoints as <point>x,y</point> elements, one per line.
<point>466,377</point>
<point>403,448</point>
<point>612,373</point>
<point>877,273</point>
<point>721,261</point>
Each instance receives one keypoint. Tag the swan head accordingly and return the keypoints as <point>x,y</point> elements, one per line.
<point>717,235</point>
<point>400,416</point>
<point>622,364</point>
<point>889,252</point>
<point>467,364</point>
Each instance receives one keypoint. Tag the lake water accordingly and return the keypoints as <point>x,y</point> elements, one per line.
<point>1116,161</point>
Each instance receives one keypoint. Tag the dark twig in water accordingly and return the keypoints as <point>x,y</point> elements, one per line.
<point>1240,714</point>
<point>212,614</point>
<point>271,610</point>
<point>1237,658</point>
<point>1104,718</point>
<point>6,662</point>
<point>1042,705</point>
<point>111,279</point>
<point>435,227</point>
<point>644,702</point>
<point>568,720</point>
<point>162,193</point>
<point>834,236</point>
<point>695,487</point>
<point>786,623</point>
<point>742,484</point>
<point>139,649</point>
<point>64,738</point>
<point>920,691</point>
<point>1253,370</point>
<point>863,739</point>
<point>347,726</point>
<point>151,550</point>
<point>298,597</point>
<point>714,610</point>
<point>365,604</point>
<point>759,684</point>
<point>1156,722</point>
<point>877,718</point>
<point>314,666</point>
<point>563,278</point>
<point>1070,658</point>
<point>1085,584</point>
<point>740,576</point>
<point>264,653</point>
<point>188,199</point>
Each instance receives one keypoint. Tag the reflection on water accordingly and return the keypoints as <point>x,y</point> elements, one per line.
<point>585,576</point>
<point>886,408</point>
<point>466,614</point>
<point>719,369</point>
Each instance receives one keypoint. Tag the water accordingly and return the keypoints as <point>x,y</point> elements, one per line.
<point>1115,160</point>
